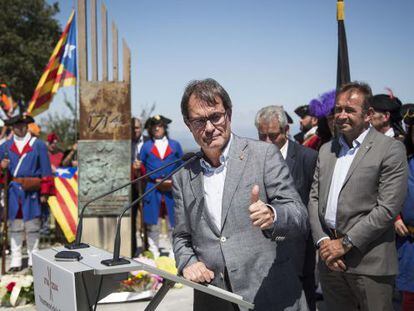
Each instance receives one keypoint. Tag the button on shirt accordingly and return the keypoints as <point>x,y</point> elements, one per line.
<point>343,163</point>
<point>213,181</point>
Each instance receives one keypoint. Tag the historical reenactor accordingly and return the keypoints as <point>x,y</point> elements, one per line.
<point>31,182</point>
<point>156,152</point>
<point>308,128</point>
<point>386,117</point>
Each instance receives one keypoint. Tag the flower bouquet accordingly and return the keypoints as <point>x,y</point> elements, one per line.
<point>141,284</point>
<point>16,290</point>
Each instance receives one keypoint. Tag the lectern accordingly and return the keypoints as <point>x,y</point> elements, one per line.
<point>78,285</point>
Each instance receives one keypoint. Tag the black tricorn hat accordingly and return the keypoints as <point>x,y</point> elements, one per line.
<point>19,119</point>
<point>289,118</point>
<point>302,111</point>
<point>157,119</point>
<point>384,102</point>
<point>407,112</point>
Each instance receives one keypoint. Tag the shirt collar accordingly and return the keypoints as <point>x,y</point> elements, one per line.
<point>284,149</point>
<point>208,169</point>
<point>356,142</point>
<point>390,132</point>
<point>311,132</point>
<point>164,139</point>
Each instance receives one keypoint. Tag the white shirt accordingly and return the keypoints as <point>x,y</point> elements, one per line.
<point>213,181</point>
<point>138,146</point>
<point>161,145</point>
<point>311,132</point>
<point>390,133</point>
<point>343,163</point>
<point>284,149</point>
<point>21,141</point>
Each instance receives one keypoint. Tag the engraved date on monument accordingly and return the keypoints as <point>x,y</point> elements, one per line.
<point>103,121</point>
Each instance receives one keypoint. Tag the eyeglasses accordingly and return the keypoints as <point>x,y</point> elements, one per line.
<point>216,119</point>
<point>272,136</point>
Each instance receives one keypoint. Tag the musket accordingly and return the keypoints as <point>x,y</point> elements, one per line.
<point>143,228</point>
<point>5,218</point>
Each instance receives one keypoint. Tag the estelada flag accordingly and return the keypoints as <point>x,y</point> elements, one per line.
<point>60,70</point>
<point>64,206</point>
<point>342,74</point>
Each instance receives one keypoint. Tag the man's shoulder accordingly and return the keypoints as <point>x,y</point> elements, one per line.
<point>173,142</point>
<point>38,143</point>
<point>253,145</point>
<point>305,151</point>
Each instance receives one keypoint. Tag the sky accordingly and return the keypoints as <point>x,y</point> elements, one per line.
<point>264,52</point>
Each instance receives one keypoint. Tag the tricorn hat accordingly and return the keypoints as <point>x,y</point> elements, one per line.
<point>20,118</point>
<point>302,111</point>
<point>289,118</point>
<point>157,119</point>
<point>386,103</point>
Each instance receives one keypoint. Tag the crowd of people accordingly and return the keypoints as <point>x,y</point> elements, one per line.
<point>27,172</point>
<point>267,218</point>
<point>271,218</point>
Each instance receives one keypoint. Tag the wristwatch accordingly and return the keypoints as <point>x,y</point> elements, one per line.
<point>347,242</point>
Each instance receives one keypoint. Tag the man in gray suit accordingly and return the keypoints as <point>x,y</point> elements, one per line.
<point>232,207</point>
<point>359,186</point>
<point>272,126</point>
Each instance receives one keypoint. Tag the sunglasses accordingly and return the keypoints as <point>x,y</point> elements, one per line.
<point>272,136</point>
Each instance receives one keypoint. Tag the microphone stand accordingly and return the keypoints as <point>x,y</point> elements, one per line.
<point>77,244</point>
<point>115,260</point>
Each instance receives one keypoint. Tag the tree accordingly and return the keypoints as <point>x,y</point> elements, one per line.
<point>28,35</point>
<point>62,125</point>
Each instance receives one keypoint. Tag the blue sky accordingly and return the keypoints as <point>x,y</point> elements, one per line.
<point>263,52</point>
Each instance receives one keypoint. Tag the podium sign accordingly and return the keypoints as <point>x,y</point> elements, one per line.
<point>67,286</point>
<point>55,283</point>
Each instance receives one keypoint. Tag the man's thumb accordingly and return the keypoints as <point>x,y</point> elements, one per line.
<point>255,194</point>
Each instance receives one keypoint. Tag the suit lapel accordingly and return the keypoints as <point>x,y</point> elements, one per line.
<point>290,157</point>
<point>330,164</point>
<point>363,149</point>
<point>237,160</point>
<point>196,182</point>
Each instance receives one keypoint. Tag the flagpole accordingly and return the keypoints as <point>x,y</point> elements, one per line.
<point>75,123</point>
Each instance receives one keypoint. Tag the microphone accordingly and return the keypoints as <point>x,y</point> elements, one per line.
<point>116,261</point>
<point>77,244</point>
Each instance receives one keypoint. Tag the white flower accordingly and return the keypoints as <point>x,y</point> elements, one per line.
<point>26,281</point>
<point>15,294</point>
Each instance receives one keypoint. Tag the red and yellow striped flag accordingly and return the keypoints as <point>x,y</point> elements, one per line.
<point>60,70</point>
<point>64,206</point>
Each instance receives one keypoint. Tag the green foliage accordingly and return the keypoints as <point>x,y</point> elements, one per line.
<point>28,35</point>
<point>62,125</point>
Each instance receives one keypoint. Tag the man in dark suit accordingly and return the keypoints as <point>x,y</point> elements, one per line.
<point>359,187</point>
<point>273,127</point>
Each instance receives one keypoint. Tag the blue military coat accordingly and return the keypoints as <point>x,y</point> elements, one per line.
<point>405,245</point>
<point>151,159</point>
<point>33,161</point>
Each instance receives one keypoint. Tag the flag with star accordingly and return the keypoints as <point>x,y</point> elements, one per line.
<point>60,70</point>
<point>64,205</point>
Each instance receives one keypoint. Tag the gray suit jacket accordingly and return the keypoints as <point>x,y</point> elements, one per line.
<point>244,250</point>
<point>370,199</point>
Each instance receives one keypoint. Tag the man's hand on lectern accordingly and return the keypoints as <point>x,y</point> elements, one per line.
<point>198,272</point>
